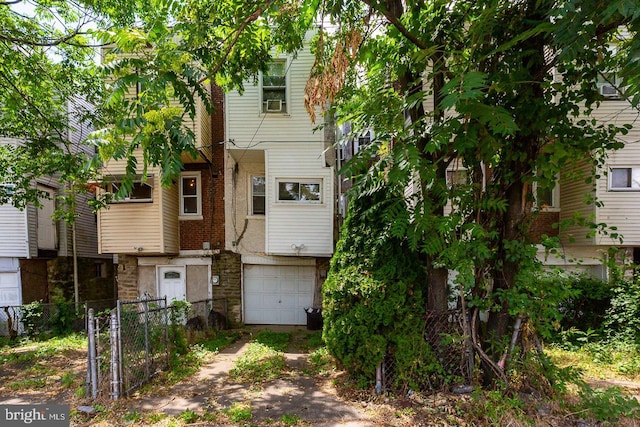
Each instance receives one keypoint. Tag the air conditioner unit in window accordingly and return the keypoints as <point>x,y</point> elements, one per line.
<point>274,105</point>
<point>609,91</point>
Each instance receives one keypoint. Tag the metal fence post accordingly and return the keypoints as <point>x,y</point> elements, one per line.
<point>166,330</point>
<point>121,360</point>
<point>116,364</point>
<point>146,339</point>
<point>93,366</point>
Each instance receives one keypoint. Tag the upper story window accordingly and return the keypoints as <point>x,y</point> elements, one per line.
<point>308,190</point>
<point>7,190</point>
<point>140,191</point>
<point>624,179</point>
<point>274,88</point>
<point>363,141</point>
<point>609,85</point>
<point>190,195</point>
<point>548,198</point>
<point>258,195</point>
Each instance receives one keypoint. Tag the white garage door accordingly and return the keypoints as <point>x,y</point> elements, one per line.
<point>9,295</point>
<point>9,288</point>
<point>277,295</point>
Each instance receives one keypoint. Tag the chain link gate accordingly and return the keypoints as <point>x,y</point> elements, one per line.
<point>131,344</point>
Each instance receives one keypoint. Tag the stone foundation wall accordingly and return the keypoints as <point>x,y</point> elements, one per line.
<point>127,277</point>
<point>228,266</point>
<point>95,278</point>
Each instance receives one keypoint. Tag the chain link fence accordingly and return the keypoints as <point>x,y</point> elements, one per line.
<point>36,318</point>
<point>99,360</point>
<point>129,345</point>
<point>144,340</point>
<point>444,333</point>
<point>208,314</point>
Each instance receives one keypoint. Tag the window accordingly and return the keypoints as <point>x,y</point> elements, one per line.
<point>274,88</point>
<point>140,191</point>
<point>609,85</point>
<point>190,195</point>
<point>363,141</point>
<point>258,195</point>
<point>7,190</point>
<point>547,198</point>
<point>456,178</point>
<point>624,179</point>
<point>299,191</point>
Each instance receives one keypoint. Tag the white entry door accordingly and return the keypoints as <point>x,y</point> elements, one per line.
<point>172,283</point>
<point>277,294</point>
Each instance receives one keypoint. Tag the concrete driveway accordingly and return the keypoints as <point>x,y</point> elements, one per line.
<point>297,394</point>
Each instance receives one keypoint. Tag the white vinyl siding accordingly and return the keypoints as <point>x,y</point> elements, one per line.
<point>289,225</point>
<point>13,229</point>
<point>247,127</point>
<point>153,227</point>
<point>620,209</point>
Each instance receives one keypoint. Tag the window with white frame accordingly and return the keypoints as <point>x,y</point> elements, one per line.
<point>190,195</point>
<point>258,195</point>
<point>307,191</point>
<point>624,179</point>
<point>274,88</point>
<point>610,86</point>
<point>547,198</point>
<point>141,190</point>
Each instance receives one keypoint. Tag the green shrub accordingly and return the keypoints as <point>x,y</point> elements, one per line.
<point>373,302</point>
<point>587,305</point>
<point>64,314</point>
<point>622,320</point>
<point>32,318</point>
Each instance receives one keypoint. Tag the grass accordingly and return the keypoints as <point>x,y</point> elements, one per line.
<point>200,353</point>
<point>600,361</point>
<point>28,351</point>
<point>259,363</point>
<point>41,364</point>
<point>239,412</point>
<point>320,361</point>
<point>277,341</point>
<point>263,360</point>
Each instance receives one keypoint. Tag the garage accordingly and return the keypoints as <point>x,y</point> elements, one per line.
<point>277,294</point>
<point>9,289</point>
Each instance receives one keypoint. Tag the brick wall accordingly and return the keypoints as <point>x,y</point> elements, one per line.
<point>228,266</point>
<point>543,224</point>
<point>211,227</point>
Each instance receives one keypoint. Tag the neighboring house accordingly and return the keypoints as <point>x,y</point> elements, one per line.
<point>279,194</point>
<point>36,252</point>
<point>617,190</point>
<point>169,241</point>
